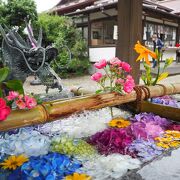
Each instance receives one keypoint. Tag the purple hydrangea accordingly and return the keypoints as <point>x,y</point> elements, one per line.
<point>166,100</point>
<point>145,150</point>
<point>146,130</point>
<point>150,117</point>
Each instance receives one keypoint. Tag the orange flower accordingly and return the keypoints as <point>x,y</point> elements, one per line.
<point>144,53</point>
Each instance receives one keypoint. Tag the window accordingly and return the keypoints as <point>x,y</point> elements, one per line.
<point>166,33</point>
<point>102,33</point>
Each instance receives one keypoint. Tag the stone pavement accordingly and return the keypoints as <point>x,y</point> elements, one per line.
<point>84,81</point>
<point>173,69</point>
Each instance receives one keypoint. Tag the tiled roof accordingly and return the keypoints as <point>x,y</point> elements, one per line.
<point>173,4</point>
<point>78,6</point>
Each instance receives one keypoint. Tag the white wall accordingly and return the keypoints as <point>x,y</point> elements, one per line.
<point>99,53</point>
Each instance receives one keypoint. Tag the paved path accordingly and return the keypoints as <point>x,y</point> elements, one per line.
<point>173,69</point>
<point>83,81</point>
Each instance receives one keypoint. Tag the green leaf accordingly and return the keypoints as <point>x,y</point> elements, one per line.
<point>143,77</point>
<point>99,91</point>
<point>1,93</point>
<point>15,85</point>
<point>163,76</point>
<point>3,73</point>
<point>168,62</point>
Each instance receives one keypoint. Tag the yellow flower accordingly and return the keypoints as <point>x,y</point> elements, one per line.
<point>77,176</point>
<point>119,123</point>
<point>175,144</point>
<point>163,145</point>
<point>13,162</point>
<point>144,53</point>
<point>170,139</point>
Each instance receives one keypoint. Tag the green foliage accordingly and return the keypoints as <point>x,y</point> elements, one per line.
<point>13,12</point>
<point>147,77</point>
<point>14,85</point>
<point>61,31</point>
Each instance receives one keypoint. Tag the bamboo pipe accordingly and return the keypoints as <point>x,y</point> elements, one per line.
<point>51,111</point>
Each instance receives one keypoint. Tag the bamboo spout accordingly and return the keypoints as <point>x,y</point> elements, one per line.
<point>56,109</point>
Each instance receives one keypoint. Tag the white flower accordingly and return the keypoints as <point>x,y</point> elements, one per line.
<point>82,125</point>
<point>26,141</point>
<point>111,166</point>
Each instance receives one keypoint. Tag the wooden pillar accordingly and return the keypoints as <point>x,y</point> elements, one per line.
<point>129,32</point>
<point>178,33</point>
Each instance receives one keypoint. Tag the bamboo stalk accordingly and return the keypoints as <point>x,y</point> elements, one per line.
<point>51,111</point>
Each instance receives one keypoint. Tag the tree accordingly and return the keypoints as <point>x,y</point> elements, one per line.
<point>60,31</point>
<point>13,12</point>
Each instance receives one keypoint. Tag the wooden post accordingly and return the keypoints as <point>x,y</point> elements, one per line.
<point>129,32</point>
<point>178,33</point>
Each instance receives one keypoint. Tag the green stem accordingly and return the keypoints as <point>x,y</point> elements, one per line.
<point>110,77</point>
<point>111,112</point>
<point>154,83</point>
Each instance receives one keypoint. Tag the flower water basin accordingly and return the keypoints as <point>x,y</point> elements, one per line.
<point>85,144</point>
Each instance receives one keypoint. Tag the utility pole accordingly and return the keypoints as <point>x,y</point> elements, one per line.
<point>129,32</point>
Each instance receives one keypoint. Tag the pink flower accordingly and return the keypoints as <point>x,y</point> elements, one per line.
<point>12,95</point>
<point>115,62</point>
<point>119,81</point>
<point>129,84</point>
<point>153,130</point>
<point>96,76</point>
<point>30,102</point>
<point>101,64</point>
<point>20,104</point>
<point>126,67</point>
<point>4,110</point>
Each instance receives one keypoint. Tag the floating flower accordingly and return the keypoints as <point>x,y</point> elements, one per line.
<point>119,123</point>
<point>146,130</point>
<point>26,141</point>
<point>70,146</point>
<point>96,76</point>
<point>144,53</point>
<point>82,125</point>
<point>111,141</point>
<point>150,117</point>
<point>171,139</point>
<point>4,110</point>
<point>166,100</point>
<point>77,176</point>
<point>113,166</point>
<point>13,162</point>
<point>175,127</point>
<point>51,166</point>
<point>146,150</point>
<point>101,64</point>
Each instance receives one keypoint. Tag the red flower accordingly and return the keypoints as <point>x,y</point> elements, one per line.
<point>4,110</point>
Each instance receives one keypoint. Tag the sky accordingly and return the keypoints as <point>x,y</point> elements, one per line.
<point>43,5</point>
